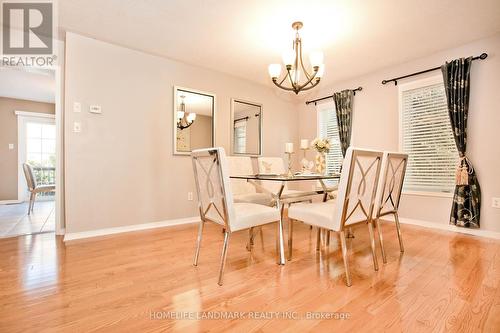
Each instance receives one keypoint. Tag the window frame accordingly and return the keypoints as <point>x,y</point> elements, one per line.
<point>436,79</point>
<point>320,108</point>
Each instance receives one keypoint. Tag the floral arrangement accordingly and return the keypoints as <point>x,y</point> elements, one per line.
<point>321,145</point>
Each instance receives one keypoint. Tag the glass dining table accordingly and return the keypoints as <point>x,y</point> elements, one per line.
<point>281,196</point>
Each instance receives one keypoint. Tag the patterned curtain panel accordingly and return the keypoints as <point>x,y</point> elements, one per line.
<point>343,105</point>
<point>467,198</point>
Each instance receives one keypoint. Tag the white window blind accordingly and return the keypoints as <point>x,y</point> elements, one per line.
<point>328,128</point>
<point>240,136</point>
<point>427,137</point>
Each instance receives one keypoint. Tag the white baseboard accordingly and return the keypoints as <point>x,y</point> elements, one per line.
<point>447,227</point>
<point>136,227</point>
<point>10,202</point>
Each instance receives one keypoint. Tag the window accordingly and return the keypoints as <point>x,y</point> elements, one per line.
<point>328,128</point>
<point>41,144</point>
<point>426,137</point>
<point>240,136</point>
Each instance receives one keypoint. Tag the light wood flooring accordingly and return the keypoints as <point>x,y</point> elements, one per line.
<point>132,282</point>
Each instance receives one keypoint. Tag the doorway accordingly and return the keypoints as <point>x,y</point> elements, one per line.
<point>28,114</point>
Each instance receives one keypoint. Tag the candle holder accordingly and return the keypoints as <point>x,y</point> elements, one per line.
<point>304,160</point>
<point>289,174</point>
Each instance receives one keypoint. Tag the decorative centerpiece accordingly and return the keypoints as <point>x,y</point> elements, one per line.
<point>322,146</point>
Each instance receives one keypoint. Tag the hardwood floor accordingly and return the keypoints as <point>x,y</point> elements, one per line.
<point>132,282</point>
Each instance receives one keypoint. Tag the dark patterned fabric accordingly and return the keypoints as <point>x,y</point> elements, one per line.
<point>465,211</point>
<point>343,106</point>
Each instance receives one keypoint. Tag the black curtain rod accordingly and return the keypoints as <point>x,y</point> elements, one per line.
<point>331,96</point>
<point>395,80</point>
<point>240,119</point>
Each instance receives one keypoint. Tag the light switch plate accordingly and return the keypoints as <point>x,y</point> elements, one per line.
<point>495,202</point>
<point>11,146</point>
<point>95,109</point>
<point>77,127</point>
<point>190,196</point>
<point>77,107</point>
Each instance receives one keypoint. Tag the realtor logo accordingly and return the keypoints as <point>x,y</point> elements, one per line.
<point>27,28</point>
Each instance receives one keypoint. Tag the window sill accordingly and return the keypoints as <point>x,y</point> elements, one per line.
<point>428,194</point>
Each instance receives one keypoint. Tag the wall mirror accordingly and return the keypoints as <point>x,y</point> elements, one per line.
<point>194,120</point>
<point>246,128</point>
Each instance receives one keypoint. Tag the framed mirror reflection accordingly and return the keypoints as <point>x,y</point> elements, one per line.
<point>194,120</point>
<point>246,128</point>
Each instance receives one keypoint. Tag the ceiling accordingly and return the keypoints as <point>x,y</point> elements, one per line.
<point>196,103</point>
<point>31,84</point>
<point>242,37</point>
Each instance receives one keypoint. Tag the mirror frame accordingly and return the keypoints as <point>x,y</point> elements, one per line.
<point>174,117</point>
<point>231,134</point>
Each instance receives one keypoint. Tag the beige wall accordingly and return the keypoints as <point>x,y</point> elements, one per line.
<point>120,169</point>
<point>8,134</point>
<point>376,124</point>
<point>201,132</point>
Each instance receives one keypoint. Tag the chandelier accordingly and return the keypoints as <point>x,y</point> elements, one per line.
<point>184,119</point>
<point>294,65</point>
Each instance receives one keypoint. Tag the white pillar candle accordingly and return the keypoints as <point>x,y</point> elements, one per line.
<point>289,147</point>
<point>304,144</point>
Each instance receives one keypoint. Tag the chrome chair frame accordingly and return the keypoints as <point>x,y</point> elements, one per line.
<point>225,215</point>
<point>345,215</point>
<point>386,194</point>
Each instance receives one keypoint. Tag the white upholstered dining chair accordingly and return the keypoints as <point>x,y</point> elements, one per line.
<point>354,203</point>
<point>389,190</point>
<point>244,191</point>
<point>215,203</point>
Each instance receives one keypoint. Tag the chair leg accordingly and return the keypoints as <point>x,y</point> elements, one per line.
<point>346,258</point>
<point>280,247</point>
<point>30,205</point>
<point>250,239</point>
<point>290,238</point>
<point>223,257</point>
<point>198,243</point>
<point>372,243</point>
<point>327,238</point>
<point>381,240</point>
<point>33,204</point>
<point>318,239</point>
<point>350,234</point>
<point>400,236</point>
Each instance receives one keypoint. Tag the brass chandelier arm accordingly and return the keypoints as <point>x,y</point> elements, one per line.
<point>281,86</point>
<point>313,85</point>
<point>302,87</point>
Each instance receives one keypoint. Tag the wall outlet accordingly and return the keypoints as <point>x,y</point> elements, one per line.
<point>190,196</point>
<point>77,127</point>
<point>495,202</point>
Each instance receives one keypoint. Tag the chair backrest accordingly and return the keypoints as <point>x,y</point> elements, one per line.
<point>240,165</point>
<point>215,199</point>
<point>271,165</point>
<point>30,176</point>
<point>390,184</point>
<point>357,187</point>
